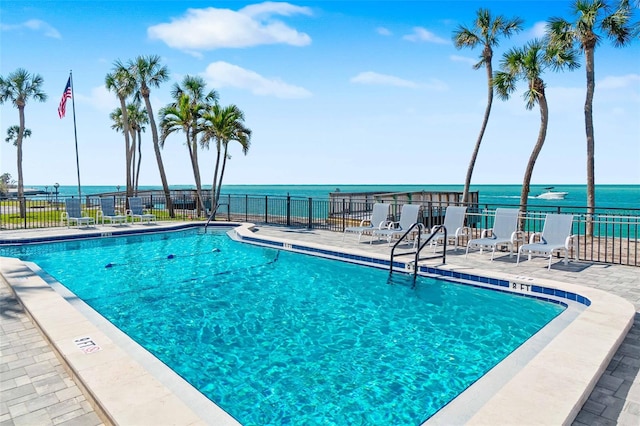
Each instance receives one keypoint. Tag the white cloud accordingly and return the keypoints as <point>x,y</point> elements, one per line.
<point>370,77</point>
<point>269,8</point>
<point>100,98</point>
<point>538,30</point>
<point>619,82</point>
<point>465,59</point>
<point>422,34</point>
<point>35,25</point>
<point>374,78</point>
<point>223,74</point>
<point>212,28</point>
<point>383,31</point>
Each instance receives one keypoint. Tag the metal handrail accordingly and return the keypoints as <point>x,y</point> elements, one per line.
<point>419,246</point>
<point>435,230</point>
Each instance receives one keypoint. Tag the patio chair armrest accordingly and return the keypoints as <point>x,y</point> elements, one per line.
<point>384,224</point>
<point>517,236</point>
<point>532,238</point>
<point>570,241</point>
<point>485,233</point>
<point>363,221</point>
<point>99,214</point>
<point>464,230</point>
<point>129,212</point>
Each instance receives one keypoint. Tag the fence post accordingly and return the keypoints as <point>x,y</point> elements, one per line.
<point>246,207</point>
<point>310,225</point>
<point>288,209</point>
<point>228,207</point>
<point>266,209</point>
<point>344,218</point>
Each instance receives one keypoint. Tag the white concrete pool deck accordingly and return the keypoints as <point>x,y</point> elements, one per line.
<point>577,377</point>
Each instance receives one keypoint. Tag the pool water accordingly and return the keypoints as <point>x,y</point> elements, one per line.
<point>275,337</point>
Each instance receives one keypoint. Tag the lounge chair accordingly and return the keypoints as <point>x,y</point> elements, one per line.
<point>504,232</point>
<point>454,224</point>
<point>136,211</point>
<point>109,213</point>
<point>555,236</point>
<point>379,220</point>
<point>408,217</point>
<point>73,214</point>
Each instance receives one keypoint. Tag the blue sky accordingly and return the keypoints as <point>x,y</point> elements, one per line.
<point>335,92</point>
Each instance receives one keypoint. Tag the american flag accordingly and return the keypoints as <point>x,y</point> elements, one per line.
<point>62,108</point>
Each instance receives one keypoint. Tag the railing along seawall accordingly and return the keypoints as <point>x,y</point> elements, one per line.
<point>616,232</point>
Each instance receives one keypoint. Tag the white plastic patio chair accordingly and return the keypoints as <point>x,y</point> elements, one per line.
<point>555,236</point>
<point>136,211</point>
<point>73,213</point>
<point>109,213</point>
<point>379,220</point>
<point>504,232</point>
<point>408,217</point>
<point>454,224</point>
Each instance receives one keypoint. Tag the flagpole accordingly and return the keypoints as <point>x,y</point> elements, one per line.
<point>75,132</point>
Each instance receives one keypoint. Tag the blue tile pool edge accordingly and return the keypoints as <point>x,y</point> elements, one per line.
<point>529,290</point>
<point>113,233</point>
<point>539,292</point>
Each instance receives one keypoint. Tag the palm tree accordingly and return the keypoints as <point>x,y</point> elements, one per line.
<point>12,134</point>
<point>591,15</point>
<point>528,64</point>
<point>121,82</point>
<point>18,87</point>
<point>185,114</point>
<point>137,118</point>
<point>485,32</point>
<point>148,73</point>
<point>223,125</point>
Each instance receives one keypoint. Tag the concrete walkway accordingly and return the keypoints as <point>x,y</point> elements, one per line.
<point>35,388</point>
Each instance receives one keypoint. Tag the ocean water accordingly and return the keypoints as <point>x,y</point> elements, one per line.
<point>607,196</point>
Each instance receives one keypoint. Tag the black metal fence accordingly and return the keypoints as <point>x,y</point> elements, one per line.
<point>616,232</point>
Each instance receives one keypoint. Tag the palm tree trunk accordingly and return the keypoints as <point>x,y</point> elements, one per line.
<point>542,135</point>
<point>132,156</point>
<point>588,122</point>
<point>156,149</point>
<point>135,189</point>
<point>21,201</point>
<point>196,174</point>
<point>485,121</point>
<point>193,156</point>
<point>127,144</point>
<point>224,163</point>
<point>214,193</point>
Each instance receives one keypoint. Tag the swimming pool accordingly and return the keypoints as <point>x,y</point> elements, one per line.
<point>278,337</point>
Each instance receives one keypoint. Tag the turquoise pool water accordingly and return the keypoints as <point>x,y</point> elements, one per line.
<point>275,337</point>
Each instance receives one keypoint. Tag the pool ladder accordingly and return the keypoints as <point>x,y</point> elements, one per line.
<point>419,246</point>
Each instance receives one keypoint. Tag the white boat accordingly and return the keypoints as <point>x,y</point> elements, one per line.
<point>550,194</point>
